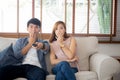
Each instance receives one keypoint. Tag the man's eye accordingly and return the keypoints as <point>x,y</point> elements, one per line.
<point>31,26</point>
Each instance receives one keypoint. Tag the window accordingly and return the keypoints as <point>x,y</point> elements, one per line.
<point>8,16</point>
<point>25,13</point>
<point>52,11</point>
<point>82,17</point>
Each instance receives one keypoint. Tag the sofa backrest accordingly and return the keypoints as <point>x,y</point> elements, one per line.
<point>49,66</point>
<point>86,46</point>
<point>5,42</point>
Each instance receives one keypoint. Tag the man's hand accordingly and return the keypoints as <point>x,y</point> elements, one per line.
<point>32,37</point>
<point>39,45</point>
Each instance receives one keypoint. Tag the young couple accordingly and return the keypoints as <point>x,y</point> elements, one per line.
<point>30,53</point>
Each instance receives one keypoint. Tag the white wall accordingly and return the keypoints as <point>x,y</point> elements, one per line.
<point>113,49</point>
<point>110,49</point>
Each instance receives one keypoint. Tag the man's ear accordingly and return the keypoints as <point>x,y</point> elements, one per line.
<point>40,30</point>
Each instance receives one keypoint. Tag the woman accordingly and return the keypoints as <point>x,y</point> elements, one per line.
<point>63,53</point>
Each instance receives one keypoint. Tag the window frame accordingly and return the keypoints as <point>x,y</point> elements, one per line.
<point>46,35</point>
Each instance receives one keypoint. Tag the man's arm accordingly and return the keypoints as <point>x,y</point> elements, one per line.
<point>26,48</point>
<point>20,43</point>
<point>45,47</point>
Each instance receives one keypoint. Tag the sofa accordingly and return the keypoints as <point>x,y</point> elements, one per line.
<point>93,65</point>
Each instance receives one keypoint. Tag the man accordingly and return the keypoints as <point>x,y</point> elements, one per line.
<point>30,53</point>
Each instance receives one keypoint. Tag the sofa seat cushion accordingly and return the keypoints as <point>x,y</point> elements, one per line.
<point>82,75</point>
<point>20,79</point>
<point>50,77</point>
<point>86,75</point>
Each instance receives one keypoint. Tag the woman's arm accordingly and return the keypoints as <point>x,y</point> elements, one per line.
<point>53,58</point>
<point>70,51</point>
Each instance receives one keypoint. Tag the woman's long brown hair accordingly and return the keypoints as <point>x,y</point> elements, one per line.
<point>53,36</point>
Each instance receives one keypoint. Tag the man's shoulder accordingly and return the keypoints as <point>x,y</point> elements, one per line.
<point>23,39</point>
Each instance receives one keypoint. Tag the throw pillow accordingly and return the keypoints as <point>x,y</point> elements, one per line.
<point>7,56</point>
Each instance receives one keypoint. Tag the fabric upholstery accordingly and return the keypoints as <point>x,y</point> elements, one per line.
<point>5,42</point>
<point>82,75</point>
<point>7,56</point>
<point>104,66</point>
<point>85,47</point>
<point>86,75</point>
<point>6,52</point>
<point>92,65</point>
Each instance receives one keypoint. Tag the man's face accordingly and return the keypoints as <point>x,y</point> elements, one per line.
<point>32,28</point>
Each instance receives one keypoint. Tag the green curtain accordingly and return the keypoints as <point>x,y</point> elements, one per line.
<point>104,15</point>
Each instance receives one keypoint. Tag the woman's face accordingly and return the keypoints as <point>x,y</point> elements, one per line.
<point>60,30</point>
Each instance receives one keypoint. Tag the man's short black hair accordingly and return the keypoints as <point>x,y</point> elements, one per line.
<point>34,21</point>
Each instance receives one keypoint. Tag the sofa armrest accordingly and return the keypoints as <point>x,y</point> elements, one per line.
<point>105,66</point>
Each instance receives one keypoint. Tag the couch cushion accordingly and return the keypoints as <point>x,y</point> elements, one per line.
<point>86,75</point>
<point>20,79</point>
<point>82,75</point>
<point>86,46</point>
<point>7,55</point>
<point>49,66</point>
<point>5,42</point>
<point>50,77</point>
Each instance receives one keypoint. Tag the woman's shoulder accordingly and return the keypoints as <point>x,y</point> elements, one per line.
<point>71,38</point>
<point>54,42</point>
